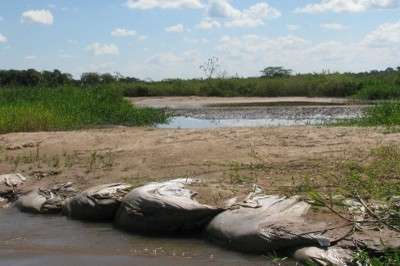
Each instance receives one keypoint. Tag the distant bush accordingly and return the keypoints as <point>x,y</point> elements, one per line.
<point>304,85</point>
<point>380,91</point>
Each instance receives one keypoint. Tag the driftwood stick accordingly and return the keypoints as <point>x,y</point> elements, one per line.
<point>336,212</point>
<point>371,212</point>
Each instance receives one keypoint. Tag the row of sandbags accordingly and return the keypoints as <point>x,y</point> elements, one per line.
<point>259,224</point>
<point>9,186</point>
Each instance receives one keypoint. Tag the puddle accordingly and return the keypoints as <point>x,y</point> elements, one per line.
<point>260,117</point>
<point>54,240</point>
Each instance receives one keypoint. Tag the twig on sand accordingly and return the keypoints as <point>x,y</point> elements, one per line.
<point>334,211</point>
<point>372,213</point>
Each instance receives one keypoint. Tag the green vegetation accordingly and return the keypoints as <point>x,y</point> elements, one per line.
<point>96,99</point>
<point>390,258</point>
<point>376,179</point>
<point>274,82</point>
<point>278,82</point>
<point>67,107</point>
<point>383,114</point>
<point>276,72</point>
<point>311,85</point>
<point>373,180</point>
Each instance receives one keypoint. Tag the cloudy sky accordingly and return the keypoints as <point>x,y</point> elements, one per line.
<point>170,38</point>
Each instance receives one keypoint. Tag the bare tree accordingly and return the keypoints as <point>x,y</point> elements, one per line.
<point>211,67</point>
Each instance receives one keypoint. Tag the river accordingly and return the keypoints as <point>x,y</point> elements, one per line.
<point>55,240</point>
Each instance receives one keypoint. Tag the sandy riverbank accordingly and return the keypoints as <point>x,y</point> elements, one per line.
<point>195,102</point>
<point>139,155</point>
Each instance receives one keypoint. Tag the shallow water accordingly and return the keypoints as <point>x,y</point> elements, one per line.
<point>54,240</point>
<point>260,116</point>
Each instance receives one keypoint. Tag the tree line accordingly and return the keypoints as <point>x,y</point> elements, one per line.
<point>33,78</point>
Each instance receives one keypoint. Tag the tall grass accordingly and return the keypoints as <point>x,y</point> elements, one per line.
<point>67,108</point>
<point>383,114</point>
<point>379,91</point>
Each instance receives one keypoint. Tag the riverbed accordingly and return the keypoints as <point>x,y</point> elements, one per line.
<point>55,240</point>
<point>214,112</point>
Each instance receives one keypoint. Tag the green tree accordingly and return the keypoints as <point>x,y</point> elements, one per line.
<point>107,78</point>
<point>90,78</point>
<point>275,72</point>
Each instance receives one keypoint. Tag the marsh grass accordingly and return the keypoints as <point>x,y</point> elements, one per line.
<point>385,114</point>
<point>66,108</point>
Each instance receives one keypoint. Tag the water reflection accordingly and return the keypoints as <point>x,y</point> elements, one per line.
<point>198,123</point>
<point>260,116</point>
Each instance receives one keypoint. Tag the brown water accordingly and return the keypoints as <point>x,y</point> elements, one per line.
<point>54,240</point>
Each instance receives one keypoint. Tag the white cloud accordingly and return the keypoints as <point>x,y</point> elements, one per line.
<point>3,39</point>
<point>103,49</point>
<point>38,16</point>
<point>250,44</point>
<point>106,67</point>
<point>119,32</point>
<point>165,59</point>
<point>208,23</point>
<point>175,28</point>
<point>222,9</point>
<point>253,16</point>
<point>164,4</point>
<point>143,37</point>
<point>347,6</point>
<point>292,27</point>
<point>250,53</point>
<point>386,34</point>
<point>73,42</point>
<point>333,26</point>
<point>196,41</point>
<point>189,57</point>
<point>30,57</point>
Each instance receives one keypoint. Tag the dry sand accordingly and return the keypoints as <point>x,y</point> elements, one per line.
<point>195,102</point>
<point>277,158</point>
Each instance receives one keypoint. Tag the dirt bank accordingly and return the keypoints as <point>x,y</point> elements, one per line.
<point>231,159</point>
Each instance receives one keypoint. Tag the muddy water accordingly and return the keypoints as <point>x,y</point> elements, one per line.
<point>40,240</point>
<point>219,117</point>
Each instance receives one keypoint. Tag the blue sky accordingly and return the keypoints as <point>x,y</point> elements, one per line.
<point>160,39</point>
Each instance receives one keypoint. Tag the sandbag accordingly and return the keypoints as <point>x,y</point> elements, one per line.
<point>372,240</point>
<point>45,200</point>
<point>325,257</point>
<point>9,185</point>
<point>166,207</point>
<point>3,203</point>
<point>263,224</point>
<point>96,204</point>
